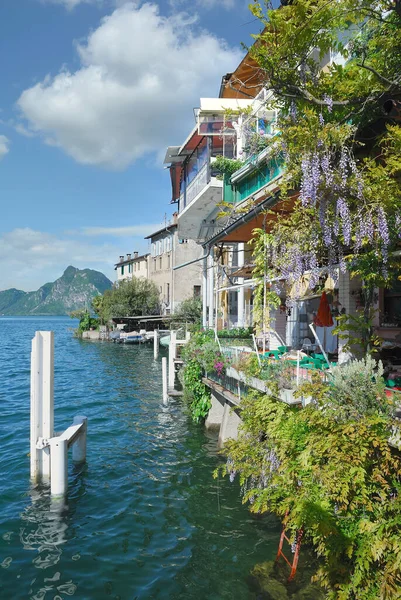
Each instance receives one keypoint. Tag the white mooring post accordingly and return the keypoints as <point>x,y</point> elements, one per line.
<point>156,343</point>
<point>79,446</point>
<point>42,401</point>
<point>59,466</point>
<point>172,355</point>
<point>49,452</point>
<point>164,378</point>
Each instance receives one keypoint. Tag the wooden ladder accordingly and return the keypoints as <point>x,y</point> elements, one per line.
<point>280,553</point>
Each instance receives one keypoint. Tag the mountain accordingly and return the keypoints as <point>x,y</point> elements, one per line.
<point>72,291</point>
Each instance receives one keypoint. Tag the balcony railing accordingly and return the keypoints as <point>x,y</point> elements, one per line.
<point>195,187</point>
<point>254,181</point>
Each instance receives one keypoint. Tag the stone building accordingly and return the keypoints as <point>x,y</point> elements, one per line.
<point>168,251</point>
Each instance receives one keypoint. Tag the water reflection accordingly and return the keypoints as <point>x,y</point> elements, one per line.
<point>45,533</point>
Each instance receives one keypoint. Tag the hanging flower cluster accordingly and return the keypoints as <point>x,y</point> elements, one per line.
<point>332,188</point>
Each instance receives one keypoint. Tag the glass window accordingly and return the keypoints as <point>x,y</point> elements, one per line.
<point>122,270</point>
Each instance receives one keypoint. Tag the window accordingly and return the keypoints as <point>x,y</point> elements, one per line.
<point>234,256</point>
<point>153,251</point>
<point>130,268</point>
<point>159,249</point>
<point>391,314</point>
<point>160,262</point>
<point>168,261</point>
<point>168,293</point>
<point>154,264</point>
<point>197,291</point>
<point>122,270</point>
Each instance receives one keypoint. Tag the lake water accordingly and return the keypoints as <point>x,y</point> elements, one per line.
<point>144,517</point>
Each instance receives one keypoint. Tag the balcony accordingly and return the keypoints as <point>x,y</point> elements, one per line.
<point>198,200</point>
<point>255,175</point>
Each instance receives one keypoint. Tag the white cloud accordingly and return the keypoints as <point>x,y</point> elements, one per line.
<point>30,258</point>
<point>140,75</point>
<point>4,146</point>
<point>133,230</point>
<point>204,4</point>
<point>70,4</point>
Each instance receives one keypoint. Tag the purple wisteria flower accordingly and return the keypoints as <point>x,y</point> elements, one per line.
<point>321,119</point>
<point>230,469</point>
<point>367,227</point>
<point>344,166</point>
<point>329,102</point>
<point>382,226</point>
<point>398,225</point>
<point>343,211</point>
<point>341,262</point>
<point>326,169</point>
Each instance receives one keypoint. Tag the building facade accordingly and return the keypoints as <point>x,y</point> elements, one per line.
<point>130,266</point>
<point>168,268</point>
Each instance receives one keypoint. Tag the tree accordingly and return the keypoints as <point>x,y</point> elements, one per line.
<point>129,298</point>
<point>189,312</point>
<point>339,139</point>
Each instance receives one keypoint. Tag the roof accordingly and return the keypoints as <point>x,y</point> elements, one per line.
<point>241,230</point>
<point>245,82</point>
<point>167,228</point>
<point>132,259</point>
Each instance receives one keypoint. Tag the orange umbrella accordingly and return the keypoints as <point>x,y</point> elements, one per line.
<point>323,317</point>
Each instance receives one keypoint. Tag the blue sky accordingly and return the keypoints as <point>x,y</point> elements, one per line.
<point>92,92</point>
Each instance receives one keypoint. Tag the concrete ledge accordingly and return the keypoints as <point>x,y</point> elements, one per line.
<point>215,415</point>
<point>225,394</point>
<point>229,426</point>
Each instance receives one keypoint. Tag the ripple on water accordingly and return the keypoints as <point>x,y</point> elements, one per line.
<point>144,519</point>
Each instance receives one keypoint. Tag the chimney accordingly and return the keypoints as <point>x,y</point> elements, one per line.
<point>175,216</point>
<point>121,259</point>
<point>135,254</point>
<point>128,256</point>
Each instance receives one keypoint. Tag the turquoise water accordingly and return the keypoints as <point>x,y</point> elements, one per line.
<point>144,517</point>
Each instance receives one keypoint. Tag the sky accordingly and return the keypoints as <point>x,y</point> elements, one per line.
<point>92,93</point>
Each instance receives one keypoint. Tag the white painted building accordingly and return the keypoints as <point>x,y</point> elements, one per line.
<point>132,265</point>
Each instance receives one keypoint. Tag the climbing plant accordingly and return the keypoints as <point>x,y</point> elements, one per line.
<point>201,356</point>
<point>328,468</point>
<point>335,71</point>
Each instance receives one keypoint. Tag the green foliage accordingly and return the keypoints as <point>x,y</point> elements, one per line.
<point>227,166</point>
<point>196,393</point>
<point>86,321</point>
<point>264,298</point>
<point>236,332</point>
<point>128,298</point>
<point>201,355</point>
<point>358,389</point>
<point>78,314</point>
<point>358,332</point>
<point>342,113</point>
<point>328,469</point>
<point>189,312</point>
